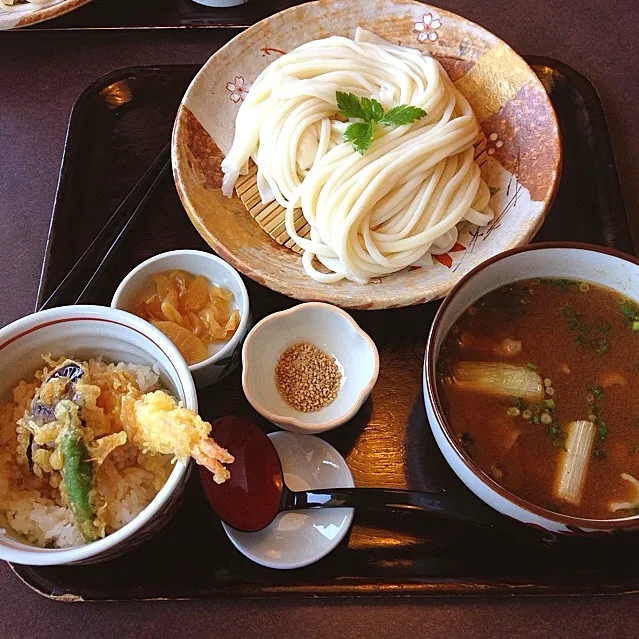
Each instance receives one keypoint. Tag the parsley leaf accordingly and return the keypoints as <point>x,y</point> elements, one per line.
<point>348,105</point>
<point>401,115</point>
<point>360,134</point>
<point>371,111</point>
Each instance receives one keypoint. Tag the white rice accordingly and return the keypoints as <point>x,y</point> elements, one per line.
<point>31,510</point>
<point>146,377</point>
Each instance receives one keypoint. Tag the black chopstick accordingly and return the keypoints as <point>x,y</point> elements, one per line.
<point>86,273</point>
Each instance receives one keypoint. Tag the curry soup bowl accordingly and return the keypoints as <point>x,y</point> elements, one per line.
<point>598,265</point>
<point>84,332</point>
<point>224,357</point>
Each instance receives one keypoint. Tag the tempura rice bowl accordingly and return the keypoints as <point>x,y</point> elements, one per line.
<point>86,332</point>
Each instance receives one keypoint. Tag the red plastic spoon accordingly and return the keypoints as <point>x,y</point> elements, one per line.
<point>256,492</point>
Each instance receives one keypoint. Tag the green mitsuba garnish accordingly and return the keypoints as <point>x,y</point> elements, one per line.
<point>361,134</point>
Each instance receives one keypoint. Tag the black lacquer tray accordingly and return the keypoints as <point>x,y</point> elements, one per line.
<point>110,143</point>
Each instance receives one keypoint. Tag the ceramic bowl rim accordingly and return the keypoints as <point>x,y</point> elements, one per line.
<point>293,421</point>
<point>36,15</point>
<point>423,293</point>
<point>430,387</point>
<point>230,345</point>
<point>22,327</point>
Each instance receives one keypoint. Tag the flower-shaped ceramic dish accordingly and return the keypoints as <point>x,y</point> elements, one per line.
<point>224,357</point>
<point>24,15</point>
<point>520,153</point>
<point>84,332</point>
<point>330,329</point>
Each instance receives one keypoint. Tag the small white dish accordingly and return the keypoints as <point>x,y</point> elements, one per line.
<point>224,357</point>
<point>297,539</point>
<point>221,3</point>
<point>332,330</point>
<point>84,332</point>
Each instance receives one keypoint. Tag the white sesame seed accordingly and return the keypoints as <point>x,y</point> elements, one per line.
<point>306,377</point>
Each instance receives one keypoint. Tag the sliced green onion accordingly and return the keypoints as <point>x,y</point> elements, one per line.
<point>597,391</point>
<point>602,429</point>
<point>635,325</point>
<point>628,312</point>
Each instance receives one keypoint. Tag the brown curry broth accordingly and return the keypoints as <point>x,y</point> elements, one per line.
<point>531,465</point>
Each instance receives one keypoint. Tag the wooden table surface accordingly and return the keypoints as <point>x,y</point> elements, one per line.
<point>41,74</point>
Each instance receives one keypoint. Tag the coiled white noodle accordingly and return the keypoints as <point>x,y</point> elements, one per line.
<point>372,214</point>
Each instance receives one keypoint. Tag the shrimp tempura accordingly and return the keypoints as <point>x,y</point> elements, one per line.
<point>157,423</point>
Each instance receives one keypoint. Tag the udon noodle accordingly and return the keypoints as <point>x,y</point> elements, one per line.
<point>374,213</point>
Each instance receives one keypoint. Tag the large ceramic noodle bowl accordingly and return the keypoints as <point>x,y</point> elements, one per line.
<point>565,462</point>
<point>367,154</point>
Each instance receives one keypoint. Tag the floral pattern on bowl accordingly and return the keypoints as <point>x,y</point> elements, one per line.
<point>519,153</point>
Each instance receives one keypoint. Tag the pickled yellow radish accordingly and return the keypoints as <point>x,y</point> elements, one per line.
<point>195,324</point>
<point>148,292</point>
<point>192,348</point>
<point>182,280</point>
<point>221,310</point>
<point>232,323</point>
<point>164,285</point>
<point>170,306</point>
<point>154,308</point>
<point>182,304</point>
<point>216,291</point>
<point>197,295</point>
<point>215,330</point>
